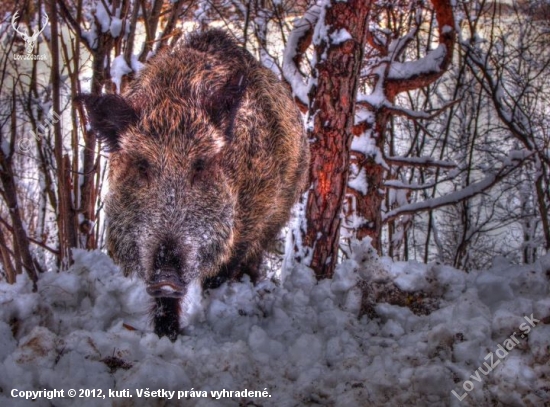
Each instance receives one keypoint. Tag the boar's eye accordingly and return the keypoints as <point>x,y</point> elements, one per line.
<point>198,169</point>
<point>143,168</point>
<point>198,165</point>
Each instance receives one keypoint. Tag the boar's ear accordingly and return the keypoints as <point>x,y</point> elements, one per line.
<point>108,116</point>
<point>223,103</point>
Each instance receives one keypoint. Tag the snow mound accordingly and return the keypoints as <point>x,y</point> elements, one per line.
<point>300,342</point>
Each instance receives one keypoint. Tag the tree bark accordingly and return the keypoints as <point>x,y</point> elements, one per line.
<point>23,257</point>
<point>66,215</point>
<point>332,113</point>
<point>5,259</point>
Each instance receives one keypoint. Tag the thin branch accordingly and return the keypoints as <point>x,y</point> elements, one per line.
<point>455,197</point>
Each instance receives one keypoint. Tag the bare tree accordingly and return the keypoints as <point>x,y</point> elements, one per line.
<point>344,47</point>
<point>488,203</point>
<point>511,67</point>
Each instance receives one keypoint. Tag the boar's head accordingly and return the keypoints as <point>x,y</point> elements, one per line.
<point>171,205</point>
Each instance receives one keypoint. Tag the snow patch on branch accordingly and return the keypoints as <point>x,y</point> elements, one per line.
<point>423,161</point>
<point>366,144</point>
<point>90,36</point>
<point>358,179</point>
<point>452,198</point>
<point>447,29</point>
<point>431,63</point>
<point>291,72</point>
<point>103,16</point>
<point>340,36</point>
<point>511,163</point>
<point>119,68</point>
<point>136,64</point>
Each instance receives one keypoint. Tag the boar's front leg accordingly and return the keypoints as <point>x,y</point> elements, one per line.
<point>234,270</point>
<point>166,317</point>
<point>252,268</point>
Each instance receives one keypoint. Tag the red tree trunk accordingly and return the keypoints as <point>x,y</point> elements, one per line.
<point>332,114</point>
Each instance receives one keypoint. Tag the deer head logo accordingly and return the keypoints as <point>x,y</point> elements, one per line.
<point>30,40</point>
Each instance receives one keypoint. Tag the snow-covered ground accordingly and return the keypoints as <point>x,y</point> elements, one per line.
<point>296,343</point>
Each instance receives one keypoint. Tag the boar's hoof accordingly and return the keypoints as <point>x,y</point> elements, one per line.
<point>211,283</point>
<point>166,317</point>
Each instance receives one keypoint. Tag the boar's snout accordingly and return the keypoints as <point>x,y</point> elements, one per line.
<point>167,277</point>
<point>166,282</point>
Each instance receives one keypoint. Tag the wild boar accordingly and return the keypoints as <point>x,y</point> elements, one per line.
<point>207,156</point>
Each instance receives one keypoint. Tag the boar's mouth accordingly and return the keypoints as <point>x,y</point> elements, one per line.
<point>166,279</point>
<point>166,283</point>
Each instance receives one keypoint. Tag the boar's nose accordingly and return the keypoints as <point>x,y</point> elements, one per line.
<point>166,279</point>
<point>166,282</point>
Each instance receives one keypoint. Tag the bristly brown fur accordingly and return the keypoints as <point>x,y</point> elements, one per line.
<point>206,176</point>
<point>110,115</point>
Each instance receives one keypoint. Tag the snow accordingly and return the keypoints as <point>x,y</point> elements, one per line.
<point>116,27</point>
<point>340,36</point>
<point>91,36</point>
<point>136,64</point>
<point>377,98</point>
<point>293,241</point>
<point>119,68</point>
<point>296,342</point>
<point>447,29</point>
<point>470,190</point>
<point>409,276</point>
<point>103,16</point>
<point>358,179</point>
<point>366,144</point>
<point>269,62</point>
<point>313,17</point>
<point>428,64</point>
<point>5,146</point>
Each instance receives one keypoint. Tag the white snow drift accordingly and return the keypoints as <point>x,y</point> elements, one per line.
<point>300,342</point>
